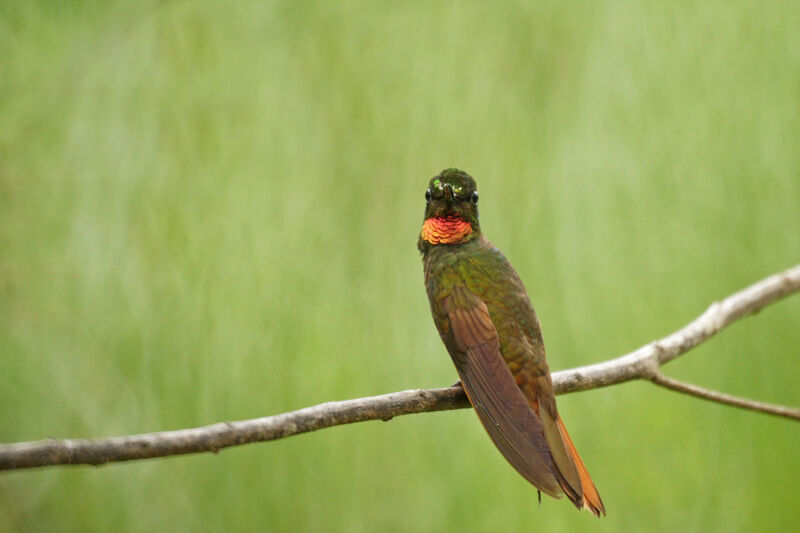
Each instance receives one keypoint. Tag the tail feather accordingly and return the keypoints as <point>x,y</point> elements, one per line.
<point>591,498</point>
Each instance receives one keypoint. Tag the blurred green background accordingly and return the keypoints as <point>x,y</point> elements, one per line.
<point>209,211</point>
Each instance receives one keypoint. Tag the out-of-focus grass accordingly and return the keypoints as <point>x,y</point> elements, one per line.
<point>208,211</point>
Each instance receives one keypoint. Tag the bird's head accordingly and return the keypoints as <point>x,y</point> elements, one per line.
<point>451,209</point>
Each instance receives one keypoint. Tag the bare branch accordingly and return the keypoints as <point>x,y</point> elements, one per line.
<point>687,388</point>
<point>643,363</point>
<point>215,437</point>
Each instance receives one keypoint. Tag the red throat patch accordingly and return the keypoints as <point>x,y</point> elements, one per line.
<point>446,230</point>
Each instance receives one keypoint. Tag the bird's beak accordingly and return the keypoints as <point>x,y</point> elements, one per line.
<point>448,192</point>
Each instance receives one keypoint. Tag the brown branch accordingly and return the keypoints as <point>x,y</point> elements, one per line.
<point>643,363</point>
<point>720,397</point>
<point>215,437</point>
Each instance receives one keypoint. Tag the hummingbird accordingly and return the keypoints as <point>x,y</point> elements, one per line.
<point>488,325</point>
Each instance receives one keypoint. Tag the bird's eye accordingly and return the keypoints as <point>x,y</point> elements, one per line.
<point>428,195</point>
<point>474,197</point>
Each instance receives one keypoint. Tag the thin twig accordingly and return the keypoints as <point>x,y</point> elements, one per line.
<point>640,364</point>
<point>693,390</point>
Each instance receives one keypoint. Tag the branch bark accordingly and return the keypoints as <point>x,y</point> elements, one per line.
<point>643,363</point>
<point>720,397</point>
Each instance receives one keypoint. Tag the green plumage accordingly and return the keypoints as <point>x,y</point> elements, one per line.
<point>487,323</point>
<point>483,269</point>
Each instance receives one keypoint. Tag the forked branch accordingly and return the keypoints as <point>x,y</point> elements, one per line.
<point>643,363</point>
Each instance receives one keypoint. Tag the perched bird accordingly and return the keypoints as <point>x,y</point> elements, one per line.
<point>487,323</point>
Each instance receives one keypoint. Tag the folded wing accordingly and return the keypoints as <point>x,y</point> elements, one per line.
<point>501,406</point>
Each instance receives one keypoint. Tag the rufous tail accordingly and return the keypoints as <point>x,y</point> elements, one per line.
<point>591,498</point>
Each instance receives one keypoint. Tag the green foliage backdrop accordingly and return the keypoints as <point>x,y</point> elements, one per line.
<point>209,210</point>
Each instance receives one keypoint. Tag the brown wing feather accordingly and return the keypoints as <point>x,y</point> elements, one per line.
<point>492,390</point>
<point>569,477</point>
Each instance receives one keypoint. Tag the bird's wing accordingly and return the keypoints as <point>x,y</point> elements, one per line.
<point>501,406</point>
<point>562,455</point>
